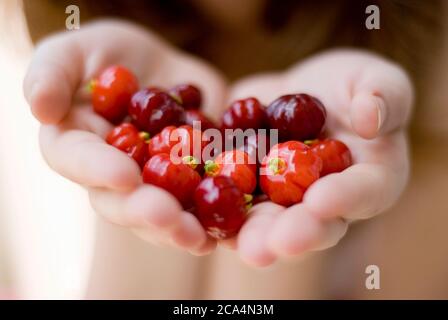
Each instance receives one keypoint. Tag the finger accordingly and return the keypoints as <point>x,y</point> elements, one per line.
<point>86,159</point>
<point>359,192</point>
<point>297,231</point>
<point>189,234</point>
<point>230,244</point>
<point>252,245</point>
<point>181,68</point>
<point>371,186</point>
<point>53,76</point>
<point>376,93</point>
<point>208,247</point>
<point>266,87</point>
<point>63,63</point>
<point>381,100</point>
<point>145,207</point>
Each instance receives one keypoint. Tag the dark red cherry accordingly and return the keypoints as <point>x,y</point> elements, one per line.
<point>296,117</point>
<point>221,207</point>
<point>152,110</point>
<point>187,95</point>
<point>244,114</point>
<point>195,115</point>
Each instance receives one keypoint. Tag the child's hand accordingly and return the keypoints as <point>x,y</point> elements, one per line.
<point>72,137</point>
<point>369,101</point>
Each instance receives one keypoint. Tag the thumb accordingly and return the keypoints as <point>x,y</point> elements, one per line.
<point>382,100</point>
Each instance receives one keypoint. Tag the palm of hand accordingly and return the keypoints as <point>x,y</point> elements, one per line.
<point>352,85</point>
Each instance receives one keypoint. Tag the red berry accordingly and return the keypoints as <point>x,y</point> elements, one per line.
<point>112,91</point>
<point>187,95</point>
<point>221,207</point>
<point>188,142</point>
<point>256,146</point>
<point>196,115</point>
<point>335,155</point>
<point>244,114</point>
<point>234,164</point>
<point>128,139</point>
<point>178,179</point>
<point>288,170</point>
<point>296,117</point>
<point>152,110</point>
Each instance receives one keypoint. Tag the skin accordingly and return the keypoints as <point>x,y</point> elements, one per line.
<point>369,103</point>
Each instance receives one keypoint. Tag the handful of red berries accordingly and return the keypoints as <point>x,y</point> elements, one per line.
<point>180,150</point>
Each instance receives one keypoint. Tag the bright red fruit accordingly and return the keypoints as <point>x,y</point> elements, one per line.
<point>112,91</point>
<point>287,171</point>
<point>127,138</point>
<point>244,114</point>
<point>188,142</point>
<point>335,155</point>
<point>179,179</point>
<point>188,96</point>
<point>152,110</point>
<point>296,117</point>
<point>221,207</point>
<point>196,115</point>
<point>256,146</point>
<point>236,165</point>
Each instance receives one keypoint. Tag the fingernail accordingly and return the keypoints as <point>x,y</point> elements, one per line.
<point>380,109</point>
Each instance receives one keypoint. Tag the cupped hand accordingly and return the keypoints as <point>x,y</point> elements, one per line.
<point>72,135</point>
<point>368,101</point>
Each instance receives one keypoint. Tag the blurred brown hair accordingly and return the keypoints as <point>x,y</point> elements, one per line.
<point>410,29</point>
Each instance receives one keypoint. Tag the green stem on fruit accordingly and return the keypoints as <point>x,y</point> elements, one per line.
<point>277,165</point>
<point>91,85</point>
<point>211,168</point>
<point>248,200</point>
<point>145,136</point>
<point>190,161</point>
<point>310,142</point>
<point>176,98</point>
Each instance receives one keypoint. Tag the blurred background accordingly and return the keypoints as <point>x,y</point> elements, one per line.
<point>30,192</point>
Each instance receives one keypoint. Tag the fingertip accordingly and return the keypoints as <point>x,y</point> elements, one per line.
<point>189,234</point>
<point>253,250</point>
<point>48,95</point>
<point>325,189</point>
<point>112,168</point>
<point>156,206</point>
<point>367,115</point>
<point>294,232</point>
<point>230,244</point>
<point>252,243</point>
<point>207,248</point>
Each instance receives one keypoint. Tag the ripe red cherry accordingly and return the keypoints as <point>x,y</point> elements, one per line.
<point>244,114</point>
<point>152,110</point>
<point>188,144</point>
<point>221,207</point>
<point>127,138</point>
<point>287,171</point>
<point>196,115</point>
<point>112,91</point>
<point>335,155</point>
<point>256,146</point>
<point>296,117</point>
<point>234,164</point>
<point>187,95</point>
<point>179,179</point>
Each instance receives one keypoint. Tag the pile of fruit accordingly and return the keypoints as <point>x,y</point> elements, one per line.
<point>157,128</point>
